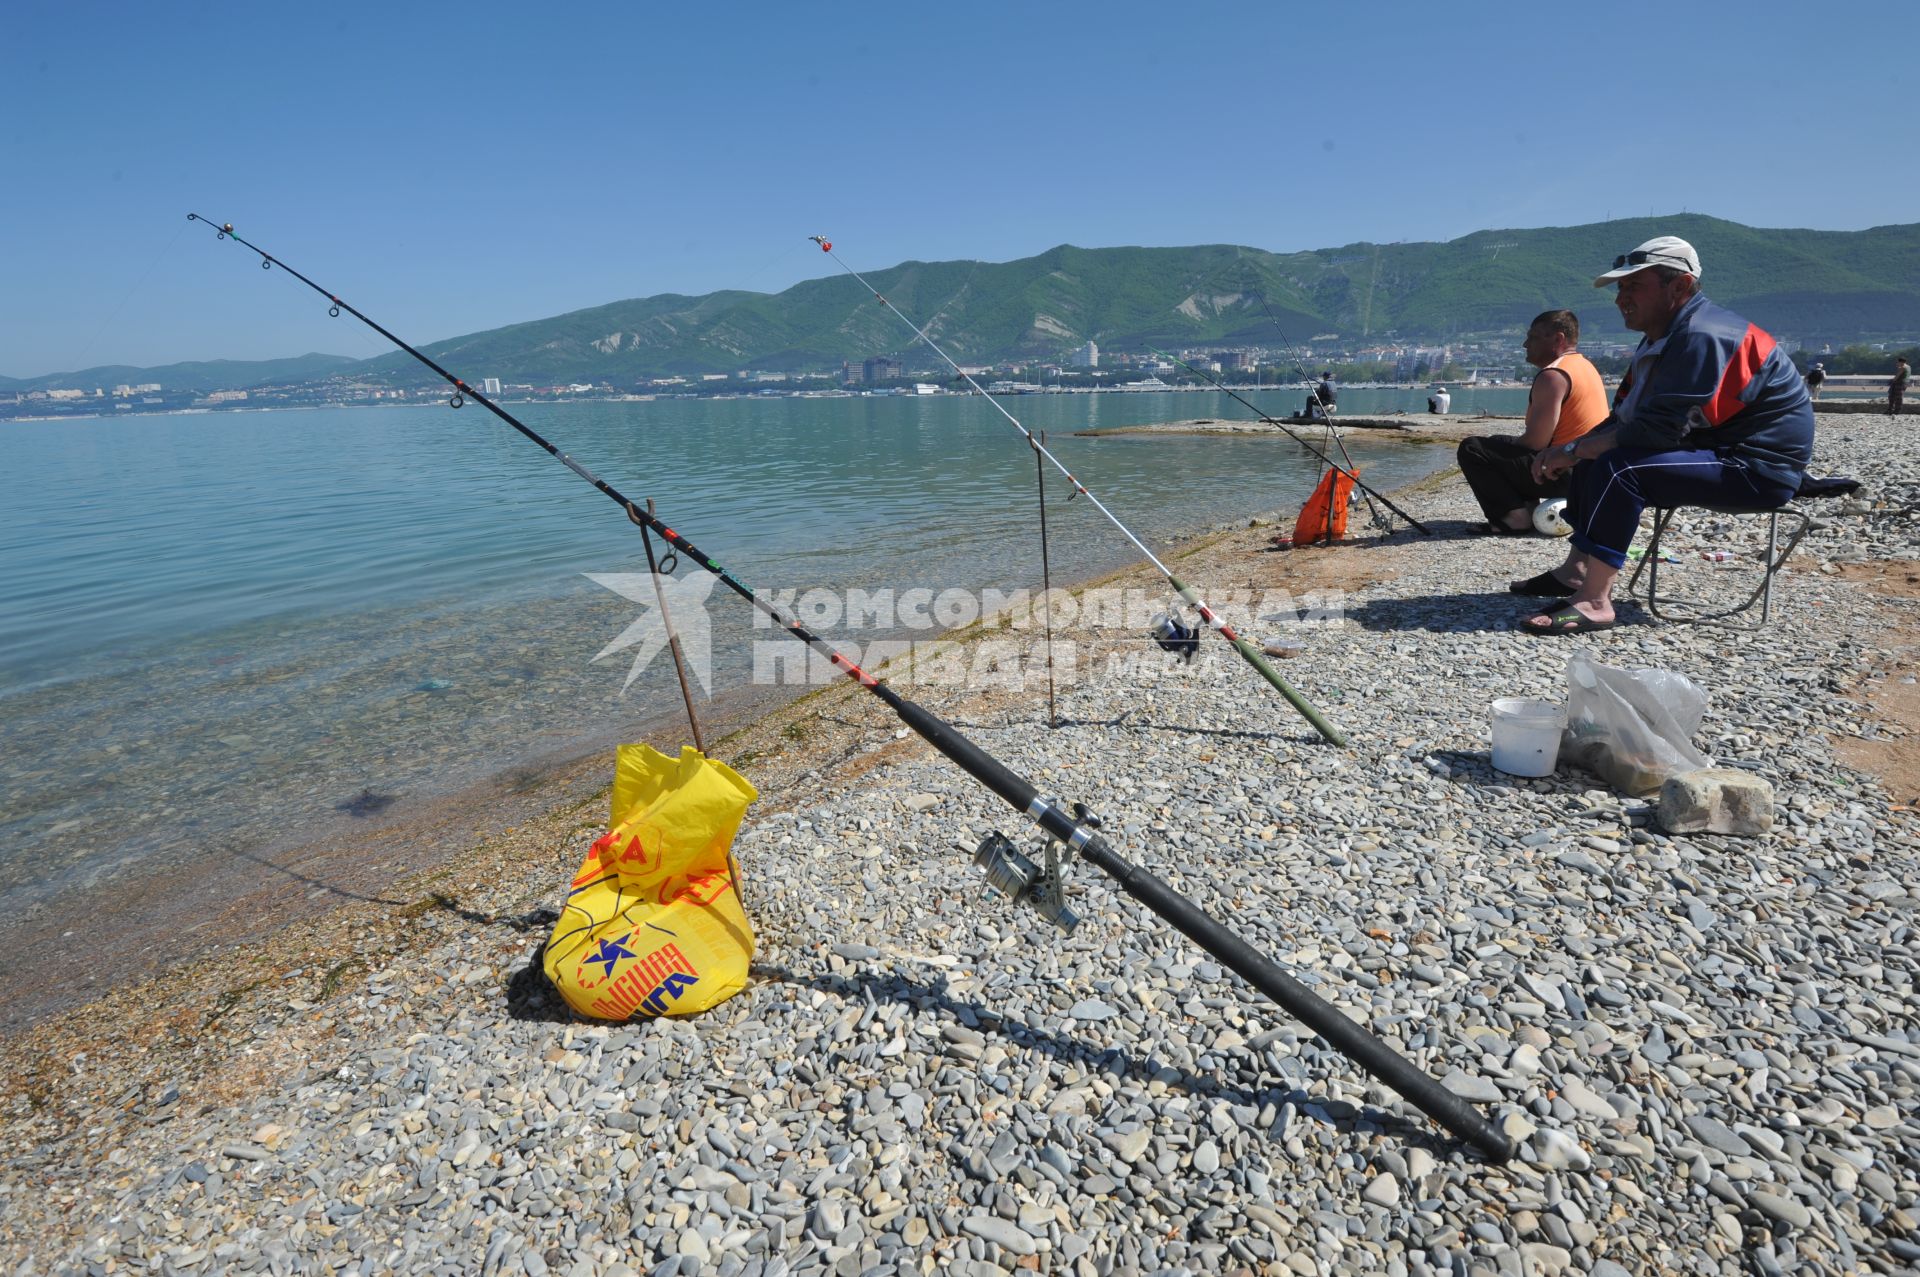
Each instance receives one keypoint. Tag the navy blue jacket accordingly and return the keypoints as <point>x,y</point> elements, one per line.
<point>1722,383</point>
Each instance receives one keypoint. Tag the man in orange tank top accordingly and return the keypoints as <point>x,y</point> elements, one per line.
<point>1567,401</point>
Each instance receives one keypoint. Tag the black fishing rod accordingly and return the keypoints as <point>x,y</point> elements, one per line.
<point>1222,386</point>
<point>1248,652</point>
<point>1073,828</point>
<point>1326,415</point>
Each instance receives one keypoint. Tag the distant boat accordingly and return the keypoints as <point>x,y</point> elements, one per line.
<point>924,388</point>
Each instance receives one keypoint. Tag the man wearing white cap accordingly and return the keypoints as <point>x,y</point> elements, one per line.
<point>1712,412</point>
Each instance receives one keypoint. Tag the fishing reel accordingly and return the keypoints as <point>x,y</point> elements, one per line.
<point>1171,634</point>
<point>1011,873</point>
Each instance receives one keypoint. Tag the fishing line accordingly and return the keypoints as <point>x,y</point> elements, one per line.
<point>1247,651</point>
<point>1069,828</point>
<point>79,361</point>
<point>753,276</point>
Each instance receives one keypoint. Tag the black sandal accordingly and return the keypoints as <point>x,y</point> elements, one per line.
<point>1565,620</point>
<point>1543,586</point>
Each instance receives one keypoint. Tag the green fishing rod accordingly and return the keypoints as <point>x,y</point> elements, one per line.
<point>1422,528</point>
<point>1248,652</point>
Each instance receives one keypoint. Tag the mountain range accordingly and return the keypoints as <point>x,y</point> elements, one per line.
<point>1805,284</point>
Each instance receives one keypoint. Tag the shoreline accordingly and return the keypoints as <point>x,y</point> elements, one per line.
<point>440,400</point>
<point>1422,426</point>
<point>1579,972</point>
<point>146,910</point>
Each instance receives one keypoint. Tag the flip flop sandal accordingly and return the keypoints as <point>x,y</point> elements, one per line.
<point>1566,620</point>
<point>1544,586</point>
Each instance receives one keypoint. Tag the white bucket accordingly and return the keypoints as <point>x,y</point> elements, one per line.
<point>1526,736</point>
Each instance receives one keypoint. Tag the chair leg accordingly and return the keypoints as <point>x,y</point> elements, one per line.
<point>1650,555</point>
<point>1776,556</point>
<point>1766,581</point>
<point>1651,561</point>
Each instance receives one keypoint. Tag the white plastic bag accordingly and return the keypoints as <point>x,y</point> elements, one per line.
<point>1632,728</point>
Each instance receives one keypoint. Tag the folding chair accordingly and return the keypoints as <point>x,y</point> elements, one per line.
<point>1688,612</point>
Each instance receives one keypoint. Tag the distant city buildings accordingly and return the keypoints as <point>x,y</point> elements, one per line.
<point>1491,357</point>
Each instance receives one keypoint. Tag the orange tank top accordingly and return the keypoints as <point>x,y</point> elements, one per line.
<point>1586,403</point>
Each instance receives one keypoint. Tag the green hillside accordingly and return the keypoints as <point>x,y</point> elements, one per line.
<point>199,376</point>
<point>1807,285</point>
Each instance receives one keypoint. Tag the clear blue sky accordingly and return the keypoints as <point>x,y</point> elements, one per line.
<point>451,168</point>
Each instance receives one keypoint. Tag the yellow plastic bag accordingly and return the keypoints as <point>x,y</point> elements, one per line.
<point>653,924</point>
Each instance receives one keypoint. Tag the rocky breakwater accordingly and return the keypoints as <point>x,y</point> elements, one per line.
<point>1706,1045</point>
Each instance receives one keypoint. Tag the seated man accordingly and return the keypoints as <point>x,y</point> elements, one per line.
<point>1566,402</point>
<point>1320,399</point>
<point>1712,412</point>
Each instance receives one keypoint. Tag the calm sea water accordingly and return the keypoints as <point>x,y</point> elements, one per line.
<point>217,631</point>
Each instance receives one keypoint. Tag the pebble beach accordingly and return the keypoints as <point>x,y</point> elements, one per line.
<point>1706,1048</point>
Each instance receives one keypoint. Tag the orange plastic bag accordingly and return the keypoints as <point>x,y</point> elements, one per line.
<point>1324,516</point>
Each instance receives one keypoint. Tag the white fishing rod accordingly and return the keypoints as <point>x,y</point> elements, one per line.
<point>1247,650</point>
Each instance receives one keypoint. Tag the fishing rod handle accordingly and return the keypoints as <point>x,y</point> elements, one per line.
<point>1350,1039</point>
<point>976,762</point>
<point>1254,657</point>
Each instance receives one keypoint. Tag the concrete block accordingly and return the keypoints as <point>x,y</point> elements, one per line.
<point>1716,800</point>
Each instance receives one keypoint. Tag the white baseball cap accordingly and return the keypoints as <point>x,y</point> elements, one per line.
<point>1661,250</point>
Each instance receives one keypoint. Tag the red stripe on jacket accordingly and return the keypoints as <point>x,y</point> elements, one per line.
<point>1752,352</point>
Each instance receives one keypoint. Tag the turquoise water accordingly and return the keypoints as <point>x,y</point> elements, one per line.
<point>216,631</point>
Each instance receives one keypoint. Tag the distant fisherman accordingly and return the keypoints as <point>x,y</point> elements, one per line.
<point>1567,400</point>
<point>1712,412</point>
<point>1321,398</point>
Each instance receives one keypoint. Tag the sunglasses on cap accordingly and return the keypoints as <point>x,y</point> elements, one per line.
<point>1641,256</point>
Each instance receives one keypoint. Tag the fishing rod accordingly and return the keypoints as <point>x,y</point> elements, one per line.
<point>1222,386</point>
<point>1326,414</point>
<point>1248,652</point>
<point>1073,828</point>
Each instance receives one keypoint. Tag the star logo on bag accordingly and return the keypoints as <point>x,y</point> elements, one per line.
<point>686,604</point>
<point>610,953</point>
